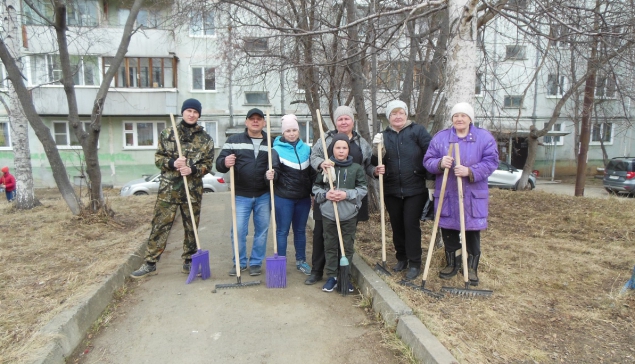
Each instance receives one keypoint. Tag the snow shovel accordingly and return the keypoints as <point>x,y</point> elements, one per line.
<point>381,267</point>
<point>345,268</point>
<point>437,216</point>
<point>277,265</point>
<point>200,259</point>
<point>464,291</point>
<point>239,283</point>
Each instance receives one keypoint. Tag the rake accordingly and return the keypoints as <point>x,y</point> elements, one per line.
<point>343,275</point>
<point>239,283</point>
<point>200,259</point>
<point>276,274</point>
<point>464,291</point>
<point>380,267</point>
<point>437,216</point>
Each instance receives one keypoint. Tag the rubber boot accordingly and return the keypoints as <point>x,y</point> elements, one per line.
<point>472,270</point>
<point>452,268</point>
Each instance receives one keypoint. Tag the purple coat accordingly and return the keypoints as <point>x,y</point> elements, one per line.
<point>479,152</point>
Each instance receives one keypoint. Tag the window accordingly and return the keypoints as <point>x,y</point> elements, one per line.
<point>82,13</point>
<point>44,7</point>
<point>556,85</point>
<point>202,24</point>
<point>515,52</point>
<point>144,134</point>
<point>143,72</point>
<point>553,140</point>
<point>306,132</point>
<point>517,4</point>
<point>255,45</point>
<point>513,101</point>
<point>211,127</point>
<point>47,69</point>
<point>145,18</point>
<point>4,78</point>
<point>257,98</point>
<point>560,35</point>
<point>602,133</point>
<point>479,84</point>
<point>64,135</point>
<point>203,78</point>
<point>5,138</point>
<point>604,86</point>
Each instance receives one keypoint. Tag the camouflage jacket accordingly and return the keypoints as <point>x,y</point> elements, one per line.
<point>198,148</point>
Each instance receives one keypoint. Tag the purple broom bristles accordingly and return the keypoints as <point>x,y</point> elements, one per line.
<point>276,271</point>
<point>200,266</point>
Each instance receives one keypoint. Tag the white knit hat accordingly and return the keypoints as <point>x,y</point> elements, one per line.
<point>396,104</point>
<point>463,107</point>
<point>289,121</point>
<point>343,110</point>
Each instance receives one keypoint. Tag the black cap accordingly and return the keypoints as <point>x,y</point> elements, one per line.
<point>191,104</point>
<point>255,111</point>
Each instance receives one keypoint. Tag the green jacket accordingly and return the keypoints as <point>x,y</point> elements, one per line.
<point>350,179</point>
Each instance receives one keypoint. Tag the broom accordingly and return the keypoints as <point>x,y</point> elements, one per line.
<point>200,259</point>
<point>345,269</point>
<point>276,272</point>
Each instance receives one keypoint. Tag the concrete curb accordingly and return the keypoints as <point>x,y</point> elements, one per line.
<point>425,346</point>
<point>67,330</point>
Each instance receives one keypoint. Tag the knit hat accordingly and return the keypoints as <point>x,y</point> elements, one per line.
<point>337,137</point>
<point>289,122</point>
<point>255,111</point>
<point>343,110</point>
<point>5,169</point>
<point>463,107</point>
<point>395,104</point>
<point>192,104</point>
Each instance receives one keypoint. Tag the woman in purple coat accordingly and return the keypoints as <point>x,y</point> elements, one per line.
<point>479,159</point>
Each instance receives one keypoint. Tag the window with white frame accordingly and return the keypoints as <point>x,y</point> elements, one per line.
<point>515,51</point>
<point>556,85</point>
<point>553,140</point>
<point>602,132</point>
<point>211,127</point>
<point>560,35</point>
<point>203,78</point>
<point>4,80</point>
<point>64,134</point>
<point>142,134</point>
<point>5,138</point>
<point>257,98</point>
<point>479,84</point>
<point>255,45</point>
<point>306,132</point>
<point>143,72</point>
<point>83,13</point>
<point>604,86</point>
<point>202,24</point>
<point>44,7</point>
<point>45,69</point>
<point>148,18</point>
<point>513,101</point>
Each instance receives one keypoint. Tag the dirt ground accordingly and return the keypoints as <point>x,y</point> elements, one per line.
<point>556,265</point>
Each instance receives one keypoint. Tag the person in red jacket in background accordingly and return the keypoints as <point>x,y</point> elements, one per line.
<point>8,182</point>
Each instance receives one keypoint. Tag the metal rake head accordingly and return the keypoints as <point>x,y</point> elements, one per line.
<point>381,269</point>
<point>466,292</point>
<point>421,288</point>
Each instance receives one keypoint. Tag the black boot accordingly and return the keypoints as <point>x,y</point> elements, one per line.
<point>454,263</point>
<point>472,269</point>
<point>401,265</point>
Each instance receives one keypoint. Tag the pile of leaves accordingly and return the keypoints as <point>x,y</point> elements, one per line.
<point>556,265</point>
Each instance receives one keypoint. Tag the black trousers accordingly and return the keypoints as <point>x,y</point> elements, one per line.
<point>318,258</point>
<point>406,229</point>
<point>452,240</point>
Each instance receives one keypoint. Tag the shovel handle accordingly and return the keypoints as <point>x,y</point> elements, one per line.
<point>187,188</point>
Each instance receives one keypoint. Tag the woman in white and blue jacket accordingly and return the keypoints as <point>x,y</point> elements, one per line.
<point>293,177</point>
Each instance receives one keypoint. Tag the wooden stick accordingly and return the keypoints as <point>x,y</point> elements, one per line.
<point>459,181</point>
<point>273,208</point>
<point>232,192</point>
<point>382,211</point>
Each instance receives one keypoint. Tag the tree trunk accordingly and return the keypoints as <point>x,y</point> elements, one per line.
<point>585,124</point>
<point>356,72</point>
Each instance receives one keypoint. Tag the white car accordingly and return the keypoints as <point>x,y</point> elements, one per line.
<point>507,176</point>
<point>150,185</point>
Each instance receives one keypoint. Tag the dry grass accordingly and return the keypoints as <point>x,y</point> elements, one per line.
<point>555,263</point>
<point>49,260</point>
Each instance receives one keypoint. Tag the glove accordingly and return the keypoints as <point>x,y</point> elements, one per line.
<point>326,178</point>
<point>378,138</point>
<point>431,195</point>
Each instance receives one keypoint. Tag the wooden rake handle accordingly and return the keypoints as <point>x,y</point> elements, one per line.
<point>337,216</point>
<point>232,193</point>
<point>273,207</point>
<point>382,211</point>
<point>187,188</point>
<point>459,183</point>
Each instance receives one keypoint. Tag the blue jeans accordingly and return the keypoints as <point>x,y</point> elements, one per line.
<point>296,212</point>
<point>10,195</point>
<point>261,206</point>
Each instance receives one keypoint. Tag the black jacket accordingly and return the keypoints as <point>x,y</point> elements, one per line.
<point>248,171</point>
<point>405,174</point>
<point>294,176</point>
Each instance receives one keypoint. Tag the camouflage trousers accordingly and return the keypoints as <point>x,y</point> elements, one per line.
<point>164,215</point>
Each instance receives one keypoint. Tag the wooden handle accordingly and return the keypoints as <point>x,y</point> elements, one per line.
<point>382,211</point>
<point>273,208</point>
<point>437,216</point>
<point>232,193</point>
<point>459,183</point>
<point>337,215</point>
<point>187,188</point>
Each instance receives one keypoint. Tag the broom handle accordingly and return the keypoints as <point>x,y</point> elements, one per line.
<point>187,188</point>
<point>382,213</point>
<point>437,217</point>
<point>273,208</point>
<point>459,182</point>
<point>232,192</point>
<point>337,215</point>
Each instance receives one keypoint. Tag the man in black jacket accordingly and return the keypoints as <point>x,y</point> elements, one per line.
<point>247,153</point>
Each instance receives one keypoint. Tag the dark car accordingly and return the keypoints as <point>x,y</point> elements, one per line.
<point>619,175</point>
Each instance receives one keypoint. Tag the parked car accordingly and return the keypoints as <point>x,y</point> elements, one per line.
<point>507,176</point>
<point>150,185</point>
<point>619,175</point>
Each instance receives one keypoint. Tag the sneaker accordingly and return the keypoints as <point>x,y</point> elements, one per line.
<point>303,267</point>
<point>187,266</point>
<point>351,289</point>
<point>232,272</point>
<point>254,270</point>
<point>313,279</point>
<point>330,285</point>
<point>146,269</point>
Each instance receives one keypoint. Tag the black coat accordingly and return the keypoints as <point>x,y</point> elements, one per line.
<point>248,171</point>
